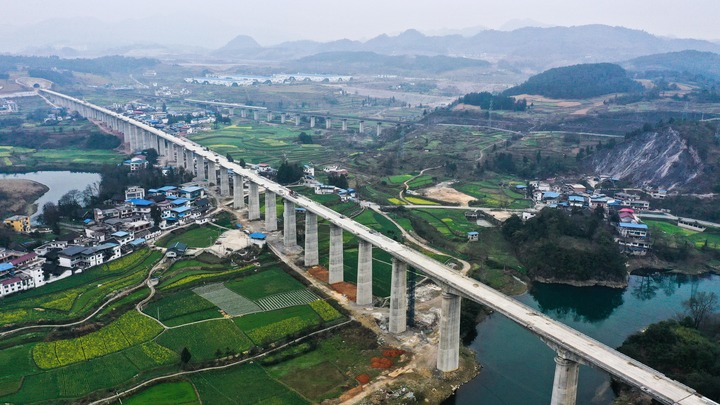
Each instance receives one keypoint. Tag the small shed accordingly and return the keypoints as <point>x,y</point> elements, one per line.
<point>176,250</point>
<point>473,236</point>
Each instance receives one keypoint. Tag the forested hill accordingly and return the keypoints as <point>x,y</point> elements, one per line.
<point>578,81</point>
<point>693,62</point>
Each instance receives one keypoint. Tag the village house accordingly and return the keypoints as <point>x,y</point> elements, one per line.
<point>19,223</point>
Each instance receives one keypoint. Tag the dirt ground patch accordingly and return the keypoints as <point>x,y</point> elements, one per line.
<point>19,195</point>
<point>319,273</point>
<point>443,192</point>
<point>347,289</point>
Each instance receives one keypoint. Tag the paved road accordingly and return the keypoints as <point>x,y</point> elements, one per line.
<point>674,218</point>
<point>555,334</point>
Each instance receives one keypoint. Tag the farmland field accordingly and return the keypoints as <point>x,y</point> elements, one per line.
<point>129,330</point>
<point>182,307</point>
<point>75,296</point>
<point>267,282</point>
<point>194,237</point>
<point>266,327</point>
<point>171,393</point>
<point>205,339</point>
<point>247,384</point>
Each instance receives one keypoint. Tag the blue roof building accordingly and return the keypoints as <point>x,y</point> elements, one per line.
<point>258,236</point>
<point>140,202</point>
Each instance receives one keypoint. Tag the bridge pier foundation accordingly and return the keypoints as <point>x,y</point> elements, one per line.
<point>364,276</point>
<point>312,256</point>
<point>566,380</point>
<point>449,346</point>
<point>289,224</point>
<point>254,202</point>
<point>378,129</point>
<point>270,211</point>
<point>337,267</point>
<point>224,181</point>
<point>398,297</point>
<point>238,191</point>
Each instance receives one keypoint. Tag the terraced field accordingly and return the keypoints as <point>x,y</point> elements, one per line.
<point>230,302</point>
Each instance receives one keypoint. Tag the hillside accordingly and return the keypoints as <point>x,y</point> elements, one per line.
<point>678,157</point>
<point>690,61</point>
<point>578,81</point>
<point>358,62</point>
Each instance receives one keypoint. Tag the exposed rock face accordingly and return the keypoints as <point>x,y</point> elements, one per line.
<point>662,159</point>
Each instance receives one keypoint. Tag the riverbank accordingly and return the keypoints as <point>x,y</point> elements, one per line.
<point>583,283</point>
<point>688,267</point>
<point>18,196</point>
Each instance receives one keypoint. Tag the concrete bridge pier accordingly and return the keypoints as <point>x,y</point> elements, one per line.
<point>254,202</point>
<point>147,141</point>
<point>312,121</point>
<point>378,129</point>
<point>238,191</point>
<point>312,256</point>
<point>398,297</point>
<point>255,115</point>
<point>337,266</point>
<point>566,380</point>
<point>344,125</point>
<point>269,116</point>
<point>448,357</point>
<point>297,120</point>
<point>328,123</point>
<point>290,226</point>
<point>212,172</point>
<point>202,169</point>
<point>224,182</point>
<point>361,127</point>
<point>364,276</point>
<point>282,118</point>
<point>270,211</point>
<point>243,113</point>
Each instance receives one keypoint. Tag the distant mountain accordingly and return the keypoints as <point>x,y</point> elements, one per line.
<point>370,62</point>
<point>578,81</point>
<point>531,48</point>
<point>240,43</point>
<point>693,62</point>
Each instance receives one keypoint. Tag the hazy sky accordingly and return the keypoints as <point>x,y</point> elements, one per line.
<point>271,21</point>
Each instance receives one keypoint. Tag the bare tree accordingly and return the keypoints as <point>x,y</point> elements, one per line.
<point>700,306</point>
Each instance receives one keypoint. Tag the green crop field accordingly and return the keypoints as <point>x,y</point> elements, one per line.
<point>267,282</point>
<point>192,277</point>
<point>266,327</point>
<point>194,237</point>
<point>129,330</point>
<point>258,143</point>
<point>77,295</point>
<point>182,307</point>
<point>171,393</point>
<point>205,339</point>
<point>709,237</point>
<point>247,384</point>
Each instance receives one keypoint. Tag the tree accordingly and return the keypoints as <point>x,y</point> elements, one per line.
<point>289,173</point>
<point>50,215</point>
<point>242,163</point>
<point>156,215</point>
<point>151,155</point>
<point>700,306</point>
<point>229,157</point>
<point>185,355</point>
<point>304,138</point>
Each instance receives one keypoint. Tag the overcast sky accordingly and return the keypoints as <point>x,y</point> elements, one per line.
<point>272,21</point>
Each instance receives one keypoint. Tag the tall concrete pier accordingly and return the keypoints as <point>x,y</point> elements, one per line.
<point>448,358</point>
<point>224,182</point>
<point>398,297</point>
<point>344,125</point>
<point>361,127</point>
<point>238,191</point>
<point>328,123</point>
<point>566,380</point>
<point>270,211</point>
<point>312,121</point>
<point>312,256</point>
<point>364,275</point>
<point>289,224</point>
<point>254,202</point>
<point>337,266</point>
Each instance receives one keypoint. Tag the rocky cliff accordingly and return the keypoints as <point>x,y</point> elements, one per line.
<point>663,159</point>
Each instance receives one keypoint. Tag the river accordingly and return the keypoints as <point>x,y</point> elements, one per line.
<point>59,183</point>
<point>518,367</point>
